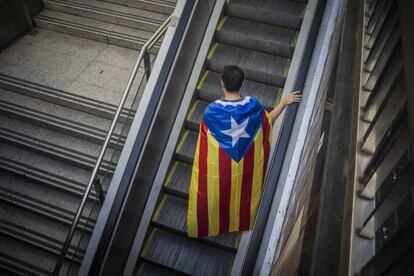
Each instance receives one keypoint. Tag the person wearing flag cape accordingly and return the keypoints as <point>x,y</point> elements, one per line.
<point>230,160</point>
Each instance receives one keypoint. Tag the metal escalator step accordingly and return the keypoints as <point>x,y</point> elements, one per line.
<point>209,89</point>
<point>195,114</point>
<point>257,66</point>
<point>172,214</point>
<point>148,269</point>
<point>257,36</point>
<point>178,179</point>
<point>186,255</point>
<point>284,13</point>
<point>186,146</point>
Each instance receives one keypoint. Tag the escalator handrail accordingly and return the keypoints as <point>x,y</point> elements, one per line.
<point>146,48</point>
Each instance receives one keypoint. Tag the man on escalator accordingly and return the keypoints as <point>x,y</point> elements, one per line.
<point>231,159</point>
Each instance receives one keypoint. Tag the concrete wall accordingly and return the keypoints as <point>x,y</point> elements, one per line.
<point>12,20</point>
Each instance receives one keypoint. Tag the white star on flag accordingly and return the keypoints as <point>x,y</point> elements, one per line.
<point>237,131</point>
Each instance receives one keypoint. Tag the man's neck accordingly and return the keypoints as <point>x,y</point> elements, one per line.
<point>231,96</point>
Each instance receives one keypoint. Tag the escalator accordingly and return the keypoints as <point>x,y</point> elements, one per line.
<point>260,37</point>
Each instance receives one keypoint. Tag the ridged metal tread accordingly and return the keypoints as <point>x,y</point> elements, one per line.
<point>185,255</point>
<point>148,269</point>
<point>283,13</point>
<point>257,66</point>
<point>171,214</point>
<point>195,115</point>
<point>186,146</point>
<point>178,180</point>
<point>209,89</point>
<point>257,36</point>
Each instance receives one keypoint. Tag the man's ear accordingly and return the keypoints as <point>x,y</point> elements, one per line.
<point>222,83</point>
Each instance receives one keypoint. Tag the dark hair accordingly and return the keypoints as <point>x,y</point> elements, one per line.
<point>232,77</point>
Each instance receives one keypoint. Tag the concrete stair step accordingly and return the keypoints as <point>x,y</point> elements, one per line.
<point>63,98</point>
<point>46,201</point>
<point>62,119</point>
<point>56,174</point>
<point>160,6</point>
<point>24,259</point>
<point>109,12</point>
<point>40,231</point>
<point>69,149</point>
<point>93,29</point>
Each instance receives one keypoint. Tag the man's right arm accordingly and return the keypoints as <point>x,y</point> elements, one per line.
<point>294,97</point>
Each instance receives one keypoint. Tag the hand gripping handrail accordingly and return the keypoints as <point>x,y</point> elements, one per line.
<point>144,51</point>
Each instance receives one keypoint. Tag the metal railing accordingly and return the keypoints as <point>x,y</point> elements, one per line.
<point>144,55</point>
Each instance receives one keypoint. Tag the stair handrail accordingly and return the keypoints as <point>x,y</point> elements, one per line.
<point>143,53</point>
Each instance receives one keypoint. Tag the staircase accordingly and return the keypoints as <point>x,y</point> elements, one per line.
<point>58,94</point>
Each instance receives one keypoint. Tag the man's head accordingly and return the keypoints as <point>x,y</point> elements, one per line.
<point>232,78</point>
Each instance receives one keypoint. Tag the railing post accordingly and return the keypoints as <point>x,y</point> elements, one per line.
<point>147,64</point>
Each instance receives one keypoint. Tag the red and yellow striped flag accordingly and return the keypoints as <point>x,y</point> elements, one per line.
<point>229,167</point>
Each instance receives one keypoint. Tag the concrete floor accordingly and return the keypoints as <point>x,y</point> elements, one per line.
<point>80,66</point>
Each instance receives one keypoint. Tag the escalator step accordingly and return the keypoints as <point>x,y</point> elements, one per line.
<point>283,13</point>
<point>257,36</point>
<point>186,146</point>
<point>257,66</point>
<point>186,255</point>
<point>147,269</point>
<point>178,179</point>
<point>195,114</point>
<point>209,89</point>
<point>172,214</point>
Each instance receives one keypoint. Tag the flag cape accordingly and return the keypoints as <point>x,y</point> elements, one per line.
<point>229,166</point>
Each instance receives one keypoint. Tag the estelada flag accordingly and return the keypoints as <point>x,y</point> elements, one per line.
<point>229,166</point>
